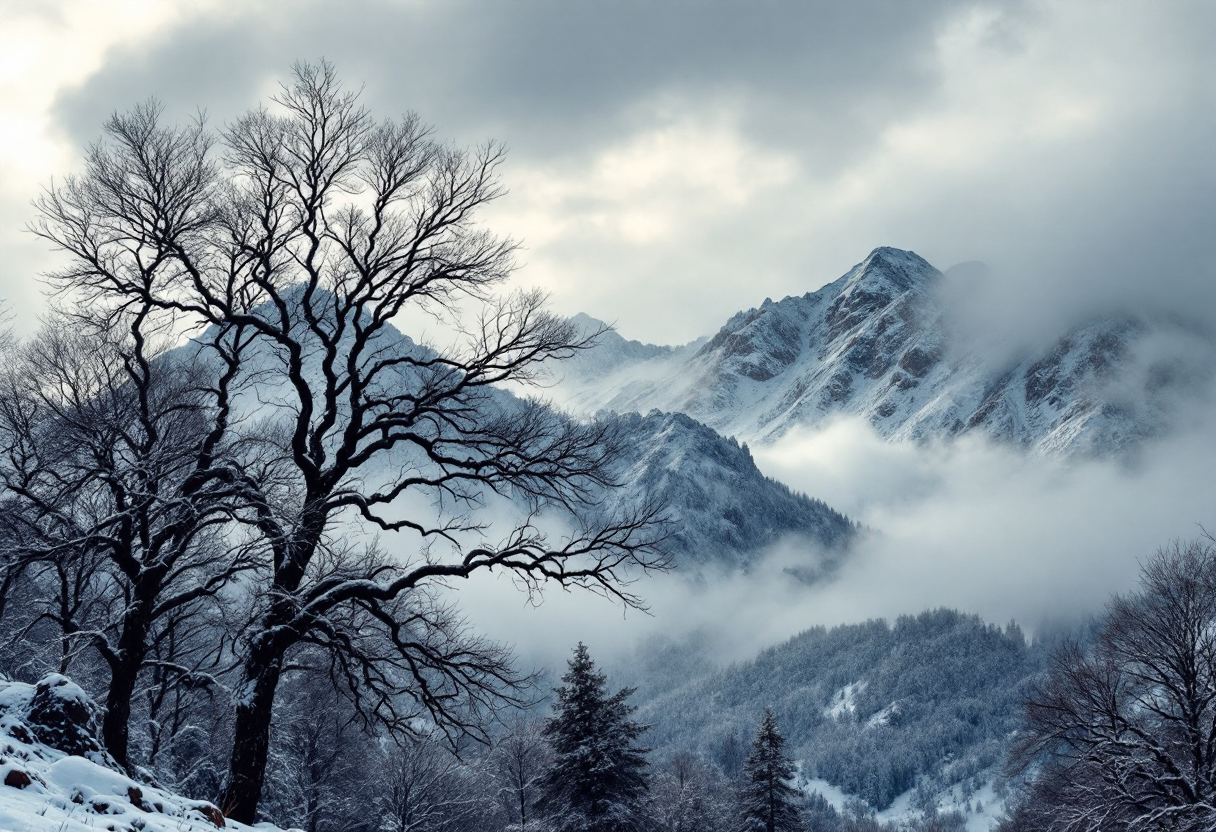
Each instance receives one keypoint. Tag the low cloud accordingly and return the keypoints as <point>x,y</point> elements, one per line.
<point>989,529</point>
<point>979,527</point>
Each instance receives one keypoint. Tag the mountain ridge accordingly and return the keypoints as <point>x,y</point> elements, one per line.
<point>879,343</point>
<point>723,509</point>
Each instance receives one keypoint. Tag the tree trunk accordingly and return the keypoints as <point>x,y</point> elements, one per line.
<point>263,666</point>
<point>124,673</point>
<point>115,726</point>
<point>251,742</point>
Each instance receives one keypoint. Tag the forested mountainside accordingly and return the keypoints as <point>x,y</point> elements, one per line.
<point>873,710</point>
<point>877,343</point>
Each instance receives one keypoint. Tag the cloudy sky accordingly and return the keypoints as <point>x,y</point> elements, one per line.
<point>673,162</point>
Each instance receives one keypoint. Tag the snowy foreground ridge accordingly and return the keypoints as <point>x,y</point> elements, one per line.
<point>56,778</point>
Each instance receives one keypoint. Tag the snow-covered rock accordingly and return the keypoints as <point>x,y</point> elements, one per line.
<point>843,704</point>
<point>54,776</point>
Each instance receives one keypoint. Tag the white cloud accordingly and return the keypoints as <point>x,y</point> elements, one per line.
<point>988,529</point>
<point>601,231</point>
<point>46,48</point>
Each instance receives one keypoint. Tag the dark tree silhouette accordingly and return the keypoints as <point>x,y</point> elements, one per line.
<point>596,781</point>
<point>292,252</point>
<point>767,801</point>
<point>119,484</point>
<point>1124,727</point>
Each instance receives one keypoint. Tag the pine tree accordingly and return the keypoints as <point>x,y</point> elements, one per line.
<point>767,801</point>
<point>596,780</point>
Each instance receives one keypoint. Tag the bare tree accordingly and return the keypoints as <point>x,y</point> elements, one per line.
<point>297,249</point>
<point>424,786</point>
<point>688,794</point>
<point>319,770</point>
<point>1125,727</point>
<point>110,457</point>
<point>518,762</point>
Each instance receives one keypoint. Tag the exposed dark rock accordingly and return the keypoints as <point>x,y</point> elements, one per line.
<point>61,716</point>
<point>918,361</point>
<point>211,813</point>
<point>17,778</point>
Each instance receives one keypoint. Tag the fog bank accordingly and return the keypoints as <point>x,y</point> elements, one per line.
<point>970,525</point>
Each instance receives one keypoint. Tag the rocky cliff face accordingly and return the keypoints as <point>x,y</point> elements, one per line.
<point>876,344</point>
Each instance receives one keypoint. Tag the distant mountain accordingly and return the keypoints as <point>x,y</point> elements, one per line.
<point>875,343</point>
<point>723,510</point>
<point>611,351</point>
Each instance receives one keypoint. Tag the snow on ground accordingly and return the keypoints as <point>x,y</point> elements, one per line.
<point>44,789</point>
<point>831,794</point>
<point>988,809</point>
<point>884,716</point>
<point>900,809</point>
<point>981,810</point>
<point>844,701</point>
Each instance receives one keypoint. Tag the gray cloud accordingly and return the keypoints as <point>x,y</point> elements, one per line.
<point>971,526</point>
<point>548,77</point>
<point>814,84</point>
<point>704,156</point>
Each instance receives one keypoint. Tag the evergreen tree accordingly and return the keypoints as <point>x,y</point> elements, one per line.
<point>596,781</point>
<point>767,801</point>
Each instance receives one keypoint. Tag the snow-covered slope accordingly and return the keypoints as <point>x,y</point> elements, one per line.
<point>54,776</point>
<point>875,344</point>
<point>611,351</point>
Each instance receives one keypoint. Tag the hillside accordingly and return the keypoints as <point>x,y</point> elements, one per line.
<point>725,509</point>
<point>917,713</point>
<point>54,776</point>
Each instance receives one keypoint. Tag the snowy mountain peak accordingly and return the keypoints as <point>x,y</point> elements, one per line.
<point>587,324</point>
<point>874,344</point>
<point>892,268</point>
<point>875,283</point>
